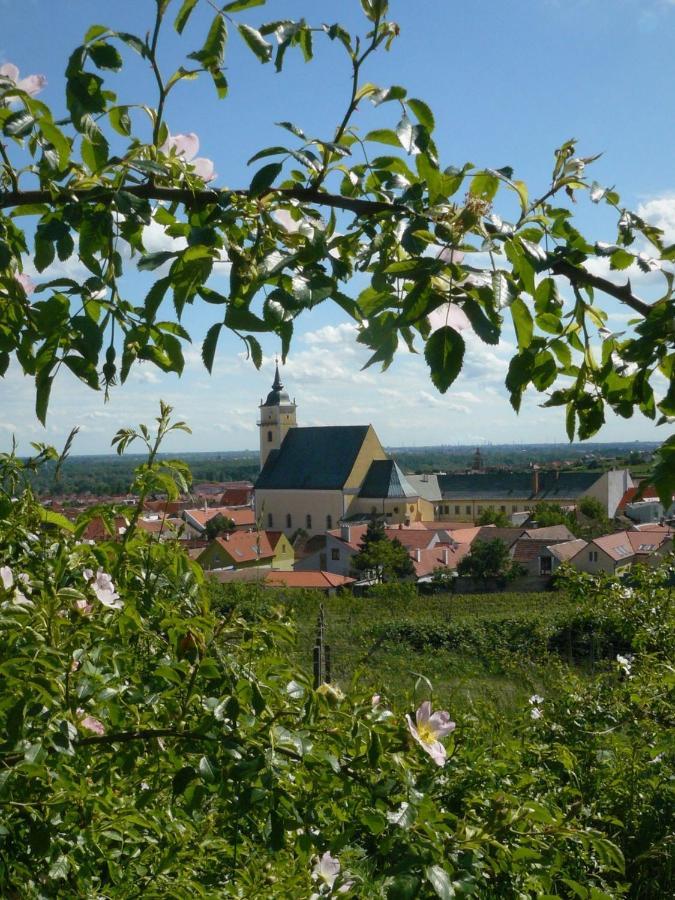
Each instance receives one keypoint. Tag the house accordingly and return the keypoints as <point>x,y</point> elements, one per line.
<point>196,519</point>
<point>245,549</point>
<point>646,508</point>
<point>464,496</point>
<point>429,549</point>
<point>314,478</point>
<point>563,553</point>
<point>326,582</point>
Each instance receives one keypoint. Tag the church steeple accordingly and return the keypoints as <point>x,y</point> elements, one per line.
<point>277,415</point>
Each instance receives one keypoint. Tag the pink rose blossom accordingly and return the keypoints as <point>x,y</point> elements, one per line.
<point>375,699</point>
<point>26,283</point>
<point>430,727</point>
<point>449,314</point>
<point>90,723</point>
<point>187,146</point>
<point>33,84</point>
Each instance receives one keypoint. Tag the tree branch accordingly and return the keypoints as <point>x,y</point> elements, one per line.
<point>10,199</point>
<point>575,275</point>
<point>583,278</point>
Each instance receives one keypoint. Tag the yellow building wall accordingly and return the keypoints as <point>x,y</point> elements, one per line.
<point>371,449</point>
<point>284,555</point>
<point>468,509</point>
<point>395,509</point>
<point>298,504</point>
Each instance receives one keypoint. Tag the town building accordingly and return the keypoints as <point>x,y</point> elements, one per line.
<point>314,478</point>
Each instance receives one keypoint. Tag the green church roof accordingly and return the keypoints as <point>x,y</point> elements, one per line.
<point>315,458</point>
<point>385,479</point>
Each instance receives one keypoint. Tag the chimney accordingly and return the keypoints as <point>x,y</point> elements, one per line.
<point>535,480</point>
<point>446,556</point>
<point>346,533</point>
<point>418,555</point>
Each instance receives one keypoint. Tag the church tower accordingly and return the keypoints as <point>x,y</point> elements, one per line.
<point>277,415</point>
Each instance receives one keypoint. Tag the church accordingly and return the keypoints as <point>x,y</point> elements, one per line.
<point>317,478</point>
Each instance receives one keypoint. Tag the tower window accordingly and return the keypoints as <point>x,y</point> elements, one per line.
<point>269,436</point>
<point>329,522</point>
<point>289,521</point>
<point>308,521</point>
<point>270,520</point>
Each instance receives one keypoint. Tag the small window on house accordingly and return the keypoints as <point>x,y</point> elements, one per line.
<point>503,508</point>
<point>514,508</point>
<point>270,520</point>
<point>289,521</point>
<point>329,523</point>
<point>479,509</point>
<point>456,510</point>
<point>468,510</point>
<point>544,565</point>
<point>335,553</point>
<point>592,555</point>
<point>396,509</point>
<point>446,510</point>
<point>308,521</point>
<point>269,436</point>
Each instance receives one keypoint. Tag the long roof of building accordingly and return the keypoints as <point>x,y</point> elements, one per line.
<point>314,458</point>
<point>553,486</point>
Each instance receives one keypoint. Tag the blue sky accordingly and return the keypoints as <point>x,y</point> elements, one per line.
<point>508,82</point>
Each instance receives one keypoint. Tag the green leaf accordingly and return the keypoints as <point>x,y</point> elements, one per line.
<point>444,353</point>
<point>383,136</point>
<point>95,151</point>
<point>484,185</point>
<point>206,770</point>
<point>120,119</point>
<point>184,14</point>
<point>18,124</point>
<point>240,5</point>
<point>43,385</point>
<point>256,42</point>
<point>423,112</point>
<point>522,322</point>
<point>152,261</point>
<point>440,881</point>
<point>264,178</point>
<point>105,56</point>
<point>213,50</point>
<point>210,344</point>
<point>182,779</point>
<point>58,141</point>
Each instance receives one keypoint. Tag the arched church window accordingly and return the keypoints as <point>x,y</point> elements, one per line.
<point>329,522</point>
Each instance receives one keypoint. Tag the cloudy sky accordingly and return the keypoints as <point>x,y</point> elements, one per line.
<point>508,82</point>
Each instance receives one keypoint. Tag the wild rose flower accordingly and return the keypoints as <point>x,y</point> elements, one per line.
<point>102,585</point>
<point>375,699</point>
<point>449,314</point>
<point>625,663</point>
<point>331,692</point>
<point>90,723</point>
<point>187,146</point>
<point>26,283</point>
<point>536,713</point>
<point>33,84</point>
<point>7,578</point>
<point>326,871</point>
<point>429,728</point>
<point>535,700</point>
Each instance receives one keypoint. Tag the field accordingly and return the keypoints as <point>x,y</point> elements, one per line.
<point>478,651</point>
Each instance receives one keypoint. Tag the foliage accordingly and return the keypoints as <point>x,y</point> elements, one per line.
<point>492,516</point>
<point>381,559</point>
<point>320,208</point>
<point>489,560</point>
<point>548,514</point>
<point>157,742</point>
<point>218,524</point>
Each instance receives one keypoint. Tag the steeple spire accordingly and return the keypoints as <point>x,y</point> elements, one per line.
<point>277,385</point>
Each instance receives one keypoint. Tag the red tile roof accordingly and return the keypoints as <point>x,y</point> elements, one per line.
<point>242,517</point>
<point>320,580</point>
<point>440,556</point>
<point>246,546</point>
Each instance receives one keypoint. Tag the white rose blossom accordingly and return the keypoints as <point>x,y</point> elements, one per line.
<point>32,84</point>
<point>102,585</point>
